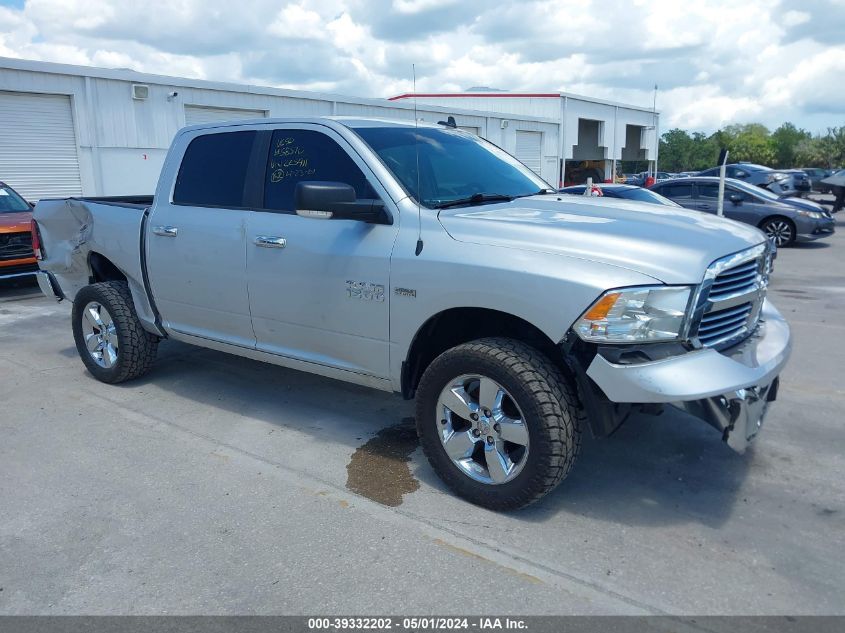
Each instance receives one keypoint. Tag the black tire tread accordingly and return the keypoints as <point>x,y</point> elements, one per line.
<point>560,410</point>
<point>138,347</point>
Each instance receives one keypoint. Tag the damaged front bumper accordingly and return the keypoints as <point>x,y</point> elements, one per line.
<point>730,389</point>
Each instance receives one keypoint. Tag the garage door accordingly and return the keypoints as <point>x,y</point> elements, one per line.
<point>529,147</point>
<point>200,114</point>
<point>38,145</point>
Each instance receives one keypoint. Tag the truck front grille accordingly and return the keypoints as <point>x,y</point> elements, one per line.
<point>740,279</point>
<point>719,324</point>
<point>15,246</point>
<point>731,297</point>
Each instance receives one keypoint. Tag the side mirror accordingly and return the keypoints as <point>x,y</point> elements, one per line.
<point>735,198</point>
<point>335,200</point>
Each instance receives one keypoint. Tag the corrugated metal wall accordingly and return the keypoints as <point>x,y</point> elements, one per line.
<point>122,141</point>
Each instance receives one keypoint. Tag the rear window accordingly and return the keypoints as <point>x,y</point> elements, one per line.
<point>213,170</point>
<point>11,202</point>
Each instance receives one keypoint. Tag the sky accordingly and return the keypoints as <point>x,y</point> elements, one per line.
<point>715,63</point>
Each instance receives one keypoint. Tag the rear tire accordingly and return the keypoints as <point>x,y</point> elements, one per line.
<point>525,445</point>
<point>109,337</point>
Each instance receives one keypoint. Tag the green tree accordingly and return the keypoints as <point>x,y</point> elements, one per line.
<point>785,142</point>
<point>787,146</point>
<point>675,150</point>
<point>750,142</point>
<point>680,151</point>
<point>705,152</point>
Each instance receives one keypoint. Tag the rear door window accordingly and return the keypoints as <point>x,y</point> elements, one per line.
<point>301,155</point>
<point>676,190</point>
<point>213,170</point>
<point>710,191</point>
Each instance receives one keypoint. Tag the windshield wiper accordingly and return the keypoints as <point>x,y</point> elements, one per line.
<point>542,192</point>
<point>476,198</point>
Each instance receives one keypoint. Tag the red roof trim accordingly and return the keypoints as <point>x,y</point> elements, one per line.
<point>544,95</point>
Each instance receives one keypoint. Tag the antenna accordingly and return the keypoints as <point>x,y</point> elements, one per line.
<point>417,150</point>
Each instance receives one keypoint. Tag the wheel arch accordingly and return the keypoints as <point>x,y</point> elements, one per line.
<point>101,268</point>
<point>776,216</point>
<point>455,326</point>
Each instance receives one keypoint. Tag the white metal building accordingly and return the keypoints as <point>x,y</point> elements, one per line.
<point>74,130</point>
<point>595,133</point>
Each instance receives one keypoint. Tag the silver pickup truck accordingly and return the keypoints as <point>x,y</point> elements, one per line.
<point>424,260</point>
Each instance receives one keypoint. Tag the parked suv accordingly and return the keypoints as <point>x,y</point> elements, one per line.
<point>816,175</point>
<point>784,220</point>
<point>781,181</point>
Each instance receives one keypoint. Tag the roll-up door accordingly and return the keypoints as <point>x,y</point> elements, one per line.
<point>201,114</point>
<point>38,156</point>
<point>529,149</point>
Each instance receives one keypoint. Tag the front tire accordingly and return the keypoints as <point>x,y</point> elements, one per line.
<point>499,423</point>
<point>780,230</point>
<point>109,337</point>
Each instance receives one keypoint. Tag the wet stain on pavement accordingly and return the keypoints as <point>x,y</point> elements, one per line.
<point>380,469</point>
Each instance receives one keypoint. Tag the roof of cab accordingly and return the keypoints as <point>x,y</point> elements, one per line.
<point>345,121</point>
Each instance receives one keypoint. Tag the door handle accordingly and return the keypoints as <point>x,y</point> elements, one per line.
<point>269,241</point>
<point>165,231</point>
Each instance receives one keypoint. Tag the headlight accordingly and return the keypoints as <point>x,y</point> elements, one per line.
<point>636,315</point>
<point>779,176</point>
<point>811,214</point>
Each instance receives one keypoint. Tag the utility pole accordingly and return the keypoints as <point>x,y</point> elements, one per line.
<point>656,132</point>
<point>723,161</point>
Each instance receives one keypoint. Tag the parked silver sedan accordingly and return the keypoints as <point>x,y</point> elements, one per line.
<point>784,220</point>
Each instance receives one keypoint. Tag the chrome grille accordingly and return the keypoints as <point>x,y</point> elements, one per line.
<point>731,297</point>
<point>740,279</point>
<point>721,323</point>
<point>15,246</point>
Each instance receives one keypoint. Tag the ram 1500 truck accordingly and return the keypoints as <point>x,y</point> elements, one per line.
<point>424,260</point>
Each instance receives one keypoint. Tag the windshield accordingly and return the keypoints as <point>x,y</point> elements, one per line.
<point>645,195</point>
<point>10,202</point>
<point>453,165</point>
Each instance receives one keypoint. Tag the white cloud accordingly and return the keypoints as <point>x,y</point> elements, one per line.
<point>716,61</point>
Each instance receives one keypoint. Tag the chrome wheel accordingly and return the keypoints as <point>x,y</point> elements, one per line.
<point>100,334</point>
<point>780,231</point>
<point>482,429</point>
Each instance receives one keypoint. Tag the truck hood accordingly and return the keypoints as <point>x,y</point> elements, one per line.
<point>670,244</point>
<point>15,222</point>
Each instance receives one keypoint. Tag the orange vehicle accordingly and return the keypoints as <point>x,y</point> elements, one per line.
<point>17,259</point>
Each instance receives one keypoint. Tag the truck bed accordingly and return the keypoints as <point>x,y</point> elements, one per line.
<point>75,231</point>
<point>140,201</point>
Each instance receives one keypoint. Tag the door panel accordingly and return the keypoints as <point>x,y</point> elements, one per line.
<point>198,277</point>
<point>707,196</point>
<point>322,297</point>
<point>196,253</point>
<point>747,211</point>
